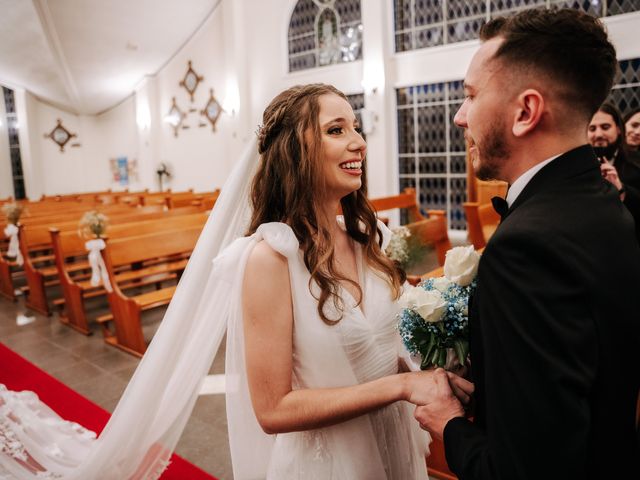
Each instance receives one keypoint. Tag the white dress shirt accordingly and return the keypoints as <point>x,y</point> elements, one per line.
<point>516,187</point>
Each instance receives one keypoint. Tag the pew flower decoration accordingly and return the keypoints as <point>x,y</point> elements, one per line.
<point>398,248</point>
<point>94,224</point>
<point>434,321</point>
<point>12,212</point>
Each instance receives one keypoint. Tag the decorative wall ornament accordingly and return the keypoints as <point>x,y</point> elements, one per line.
<point>123,170</point>
<point>163,170</point>
<point>191,80</point>
<point>175,117</point>
<point>212,110</point>
<point>60,135</point>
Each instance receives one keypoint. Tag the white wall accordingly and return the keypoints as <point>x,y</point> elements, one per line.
<point>47,169</point>
<point>80,168</point>
<point>199,157</point>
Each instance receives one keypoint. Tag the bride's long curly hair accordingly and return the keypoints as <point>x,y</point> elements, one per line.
<point>285,189</point>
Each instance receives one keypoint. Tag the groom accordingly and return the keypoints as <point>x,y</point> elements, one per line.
<point>555,322</point>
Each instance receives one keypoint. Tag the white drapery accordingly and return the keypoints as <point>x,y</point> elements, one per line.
<point>147,422</point>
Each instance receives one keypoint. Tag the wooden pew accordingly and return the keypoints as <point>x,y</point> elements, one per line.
<point>39,215</point>
<point>114,197</point>
<point>35,244</point>
<point>208,200</point>
<point>38,245</point>
<point>76,288</point>
<point>9,269</point>
<point>482,221</point>
<point>432,229</point>
<point>406,200</point>
<point>189,198</point>
<point>126,310</point>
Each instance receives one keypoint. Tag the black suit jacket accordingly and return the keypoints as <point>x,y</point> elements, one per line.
<point>555,337</point>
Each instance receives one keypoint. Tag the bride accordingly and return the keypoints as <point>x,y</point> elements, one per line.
<point>309,302</point>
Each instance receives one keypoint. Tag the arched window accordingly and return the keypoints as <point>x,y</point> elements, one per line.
<point>427,23</point>
<point>324,32</point>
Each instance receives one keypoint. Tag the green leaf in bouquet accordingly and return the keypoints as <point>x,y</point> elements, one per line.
<point>442,357</point>
<point>435,356</point>
<point>427,352</point>
<point>426,363</point>
<point>462,350</point>
<point>421,337</point>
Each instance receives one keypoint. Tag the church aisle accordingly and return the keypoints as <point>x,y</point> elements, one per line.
<point>100,373</point>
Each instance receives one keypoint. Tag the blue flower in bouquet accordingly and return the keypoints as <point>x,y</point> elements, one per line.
<point>435,315</point>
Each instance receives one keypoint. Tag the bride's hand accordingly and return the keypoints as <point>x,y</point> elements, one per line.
<point>422,387</point>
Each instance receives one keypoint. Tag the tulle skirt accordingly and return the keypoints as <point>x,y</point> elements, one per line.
<point>343,452</point>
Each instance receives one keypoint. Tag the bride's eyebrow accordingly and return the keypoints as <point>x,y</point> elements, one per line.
<point>334,120</point>
<point>340,120</point>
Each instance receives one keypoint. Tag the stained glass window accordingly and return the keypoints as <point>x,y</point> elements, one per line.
<point>324,32</point>
<point>431,149</point>
<point>626,93</point>
<point>14,144</point>
<point>427,23</point>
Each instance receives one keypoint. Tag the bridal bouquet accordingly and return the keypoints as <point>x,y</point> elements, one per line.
<point>434,322</point>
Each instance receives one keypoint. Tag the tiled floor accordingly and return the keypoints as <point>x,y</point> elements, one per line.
<point>100,373</point>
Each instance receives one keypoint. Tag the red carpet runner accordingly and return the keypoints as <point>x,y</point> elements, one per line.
<point>19,374</point>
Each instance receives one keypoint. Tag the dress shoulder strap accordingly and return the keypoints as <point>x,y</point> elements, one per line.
<point>280,237</point>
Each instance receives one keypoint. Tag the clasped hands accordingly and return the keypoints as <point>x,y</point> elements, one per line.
<point>439,396</point>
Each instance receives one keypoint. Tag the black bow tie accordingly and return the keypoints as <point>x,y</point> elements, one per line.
<point>501,206</point>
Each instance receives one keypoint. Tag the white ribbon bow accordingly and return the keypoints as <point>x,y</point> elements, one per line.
<point>98,268</point>
<point>13,251</point>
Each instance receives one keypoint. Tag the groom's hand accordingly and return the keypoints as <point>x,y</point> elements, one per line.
<point>462,389</point>
<point>442,407</point>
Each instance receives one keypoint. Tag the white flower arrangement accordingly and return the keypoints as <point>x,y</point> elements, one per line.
<point>12,211</point>
<point>435,315</point>
<point>93,224</point>
<point>398,248</point>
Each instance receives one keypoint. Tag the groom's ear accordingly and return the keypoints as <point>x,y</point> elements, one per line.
<point>529,108</point>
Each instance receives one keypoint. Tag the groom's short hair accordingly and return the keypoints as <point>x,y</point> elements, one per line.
<point>567,46</point>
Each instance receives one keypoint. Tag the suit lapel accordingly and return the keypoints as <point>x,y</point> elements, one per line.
<point>569,164</point>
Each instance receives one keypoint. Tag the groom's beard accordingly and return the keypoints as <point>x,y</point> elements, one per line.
<point>492,152</point>
<point>609,152</point>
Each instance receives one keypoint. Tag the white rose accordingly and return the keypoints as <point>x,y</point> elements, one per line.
<point>441,284</point>
<point>461,265</point>
<point>428,304</point>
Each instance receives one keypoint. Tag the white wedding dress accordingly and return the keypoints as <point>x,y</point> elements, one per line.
<point>363,346</point>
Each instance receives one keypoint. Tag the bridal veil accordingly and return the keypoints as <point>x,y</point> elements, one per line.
<point>148,421</point>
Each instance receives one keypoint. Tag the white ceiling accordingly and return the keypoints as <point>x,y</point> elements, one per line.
<point>86,56</point>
